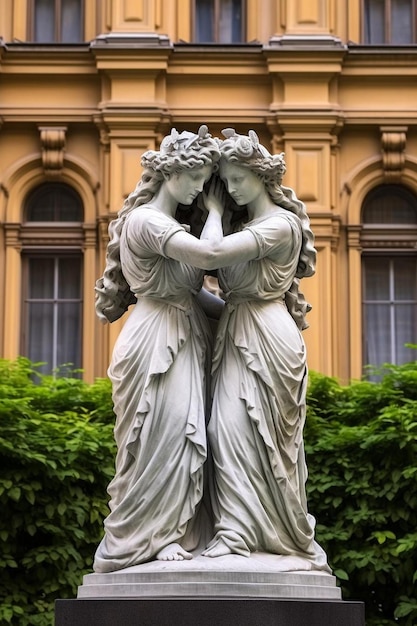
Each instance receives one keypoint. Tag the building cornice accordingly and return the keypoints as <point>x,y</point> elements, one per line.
<point>29,58</point>
<point>127,52</point>
<point>380,61</point>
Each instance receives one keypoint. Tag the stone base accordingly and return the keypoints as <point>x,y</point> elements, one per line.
<point>207,612</point>
<point>261,575</point>
<point>261,590</point>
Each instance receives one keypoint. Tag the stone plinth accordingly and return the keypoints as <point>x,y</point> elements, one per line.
<point>259,576</point>
<point>208,612</point>
<point>225,591</point>
<point>230,576</point>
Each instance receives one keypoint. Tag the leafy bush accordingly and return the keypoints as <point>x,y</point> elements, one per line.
<point>361,444</point>
<point>56,459</point>
<point>57,455</point>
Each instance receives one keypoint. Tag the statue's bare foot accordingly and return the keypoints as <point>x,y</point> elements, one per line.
<point>173,552</point>
<point>218,549</point>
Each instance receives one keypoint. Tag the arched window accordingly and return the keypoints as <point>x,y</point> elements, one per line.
<point>52,277</point>
<point>389,266</point>
<point>54,202</point>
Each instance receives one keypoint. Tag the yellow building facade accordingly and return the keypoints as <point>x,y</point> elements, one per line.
<point>86,87</point>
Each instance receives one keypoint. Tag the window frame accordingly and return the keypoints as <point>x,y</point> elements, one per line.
<point>216,22</point>
<point>27,256</point>
<point>57,23</point>
<point>53,240</point>
<point>388,24</point>
<point>389,240</point>
<point>391,302</point>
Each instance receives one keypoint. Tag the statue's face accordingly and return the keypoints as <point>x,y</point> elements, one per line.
<point>187,184</point>
<point>243,185</point>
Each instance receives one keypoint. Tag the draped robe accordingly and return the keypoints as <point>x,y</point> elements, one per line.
<point>159,375</point>
<point>258,411</point>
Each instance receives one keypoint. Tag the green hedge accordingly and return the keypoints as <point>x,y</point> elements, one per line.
<point>57,457</point>
<point>361,446</point>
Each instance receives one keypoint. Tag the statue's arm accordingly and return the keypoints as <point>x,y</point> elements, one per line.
<point>210,255</point>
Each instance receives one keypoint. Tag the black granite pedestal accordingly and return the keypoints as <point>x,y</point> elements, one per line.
<point>208,612</point>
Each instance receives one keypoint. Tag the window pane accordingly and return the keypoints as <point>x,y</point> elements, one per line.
<point>374,21</point>
<point>390,204</point>
<point>389,326</point>
<point>40,328</point>
<point>54,324</point>
<point>71,20</point>
<point>54,202</point>
<point>230,27</point>
<point>376,279</point>
<point>44,21</point>
<point>70,273</point>
<point>69,334</point>
<point>42,214</point>
<point>41,278</point>
<point>405,327</point>
<point>401,22</point>
<point>377,334</point>
<point>405,279</point>
<point>67,207</point>
<point>204,21</point>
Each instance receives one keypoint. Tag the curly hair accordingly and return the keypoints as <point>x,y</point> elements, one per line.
<point>246,151</point>
<point>178,152</point>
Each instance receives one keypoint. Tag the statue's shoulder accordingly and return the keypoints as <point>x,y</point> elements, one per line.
<point>146,213</point>
<point>284,216</point>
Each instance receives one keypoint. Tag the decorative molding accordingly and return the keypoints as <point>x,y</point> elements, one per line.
<point>51,236</point>
<point>382,237</point>
<point>336,232</point>
<point>90,236</point>
<point>387,245</point>
<point>131,40</point>
<point>12,235</point>
<point>103,228</point>
<point>320,41</point>
<point>354,237</point>
<point>393,141</point>
<point>53,146</point>
<point>103,131</point>
<point>389,236</point>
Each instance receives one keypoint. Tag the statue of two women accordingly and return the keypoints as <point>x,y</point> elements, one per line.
<point>210,456</point>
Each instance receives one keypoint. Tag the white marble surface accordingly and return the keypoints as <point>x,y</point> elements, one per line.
<point>259,576</point>
<point>160,374</point>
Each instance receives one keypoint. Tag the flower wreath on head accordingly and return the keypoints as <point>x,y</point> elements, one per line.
<point>250,148</point>
<point>177,147</point>
<point>176,141</point>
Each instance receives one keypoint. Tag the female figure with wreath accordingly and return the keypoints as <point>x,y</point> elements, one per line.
<point>260,370</point>
<point>160,363</point>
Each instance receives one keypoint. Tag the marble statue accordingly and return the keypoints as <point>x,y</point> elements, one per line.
<point>160,364</point>
<point>159,368</point>
<point>259,365</point>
